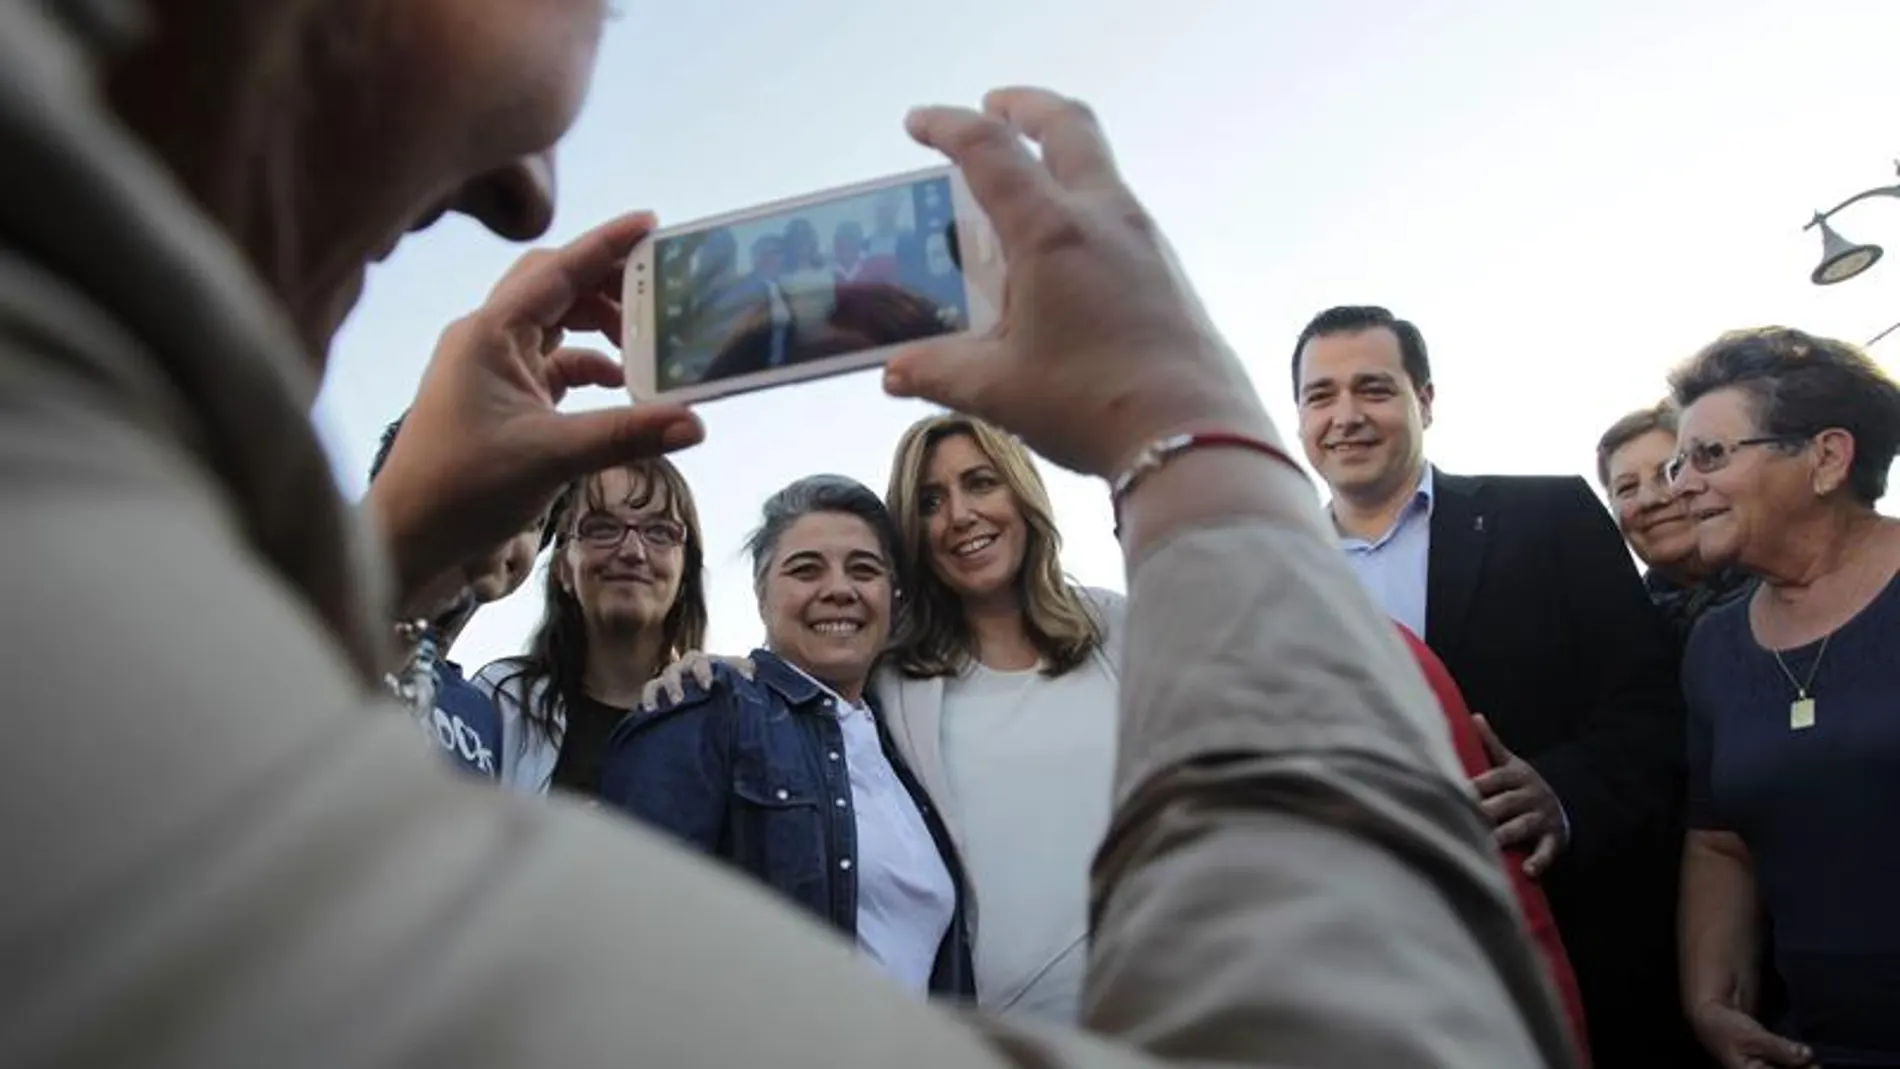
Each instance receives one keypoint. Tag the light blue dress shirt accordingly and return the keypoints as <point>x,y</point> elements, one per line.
<point>1393,566</point>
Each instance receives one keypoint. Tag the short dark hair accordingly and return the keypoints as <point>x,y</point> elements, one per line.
<point>1660,416</point>
<point>1799,385</point>
<point>387,443</point>
<point>814,494</point>
<point>1355,318</point>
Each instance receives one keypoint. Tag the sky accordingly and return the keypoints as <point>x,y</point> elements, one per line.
<point>1567,199</point>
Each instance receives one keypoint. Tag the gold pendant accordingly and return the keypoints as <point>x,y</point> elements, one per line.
<point>1801,714</point>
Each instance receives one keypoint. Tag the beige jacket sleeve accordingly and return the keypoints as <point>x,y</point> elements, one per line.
<point>221,852</point>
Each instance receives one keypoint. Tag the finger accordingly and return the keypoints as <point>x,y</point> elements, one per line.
<point>675,683</point>
<point>1518,831</point>
<point>1497,781</point>
<point>1502,807</point>
<point>570,445</point>
<point>571,367</point>
<point>1542,857</point>
<point>1073,146</point>
<point>1493,747</point>
<point>955,372</point>
<point>545,285</point>
<point>746,668</point>
<point>650,695</point>
<point>703,671</point>
<point>1010,184</point>
<point>597,312</point>
<point>1758,1042</point>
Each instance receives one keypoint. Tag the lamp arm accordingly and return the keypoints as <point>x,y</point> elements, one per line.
<point>1882,191</point>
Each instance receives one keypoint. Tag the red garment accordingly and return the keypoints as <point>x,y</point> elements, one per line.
<point>1530,897</point>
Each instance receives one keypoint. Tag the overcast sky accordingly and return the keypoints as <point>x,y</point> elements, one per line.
<point>1565,199</point>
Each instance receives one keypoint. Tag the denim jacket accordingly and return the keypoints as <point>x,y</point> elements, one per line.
<point>745,771</point>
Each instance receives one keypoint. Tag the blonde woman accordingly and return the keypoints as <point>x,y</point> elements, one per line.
<point>999,690</point>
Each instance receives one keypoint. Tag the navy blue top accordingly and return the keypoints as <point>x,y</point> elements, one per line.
<point>1817,808</point>
<point>744,772</point>
<point>465,723</point>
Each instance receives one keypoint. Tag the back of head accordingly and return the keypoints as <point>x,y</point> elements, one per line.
<point>1355,318</point>
<point>1799,385</point>
<point>934,639</point>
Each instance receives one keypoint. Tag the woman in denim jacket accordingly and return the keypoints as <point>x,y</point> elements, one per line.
<point>791,775</point>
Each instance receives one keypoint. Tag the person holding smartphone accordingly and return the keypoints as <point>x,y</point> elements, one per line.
<point>292,877</point>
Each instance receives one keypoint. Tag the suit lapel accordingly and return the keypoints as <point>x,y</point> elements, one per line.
<point>1455,559</point>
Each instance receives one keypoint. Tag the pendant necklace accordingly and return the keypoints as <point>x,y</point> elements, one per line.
<point>1801,710</point>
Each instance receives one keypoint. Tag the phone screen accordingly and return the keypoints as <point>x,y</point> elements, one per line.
<point>862,271</point>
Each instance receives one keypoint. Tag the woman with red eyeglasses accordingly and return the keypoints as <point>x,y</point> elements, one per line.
<point>626,595</point>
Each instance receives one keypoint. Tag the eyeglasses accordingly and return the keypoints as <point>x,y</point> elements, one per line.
<point>1706,457</point>
<point>602,531</point>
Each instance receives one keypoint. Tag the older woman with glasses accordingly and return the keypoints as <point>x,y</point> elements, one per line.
<point>1794,700</point>
<point>792,775</point>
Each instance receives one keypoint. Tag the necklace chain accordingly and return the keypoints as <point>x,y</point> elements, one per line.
<point>1801,690</point>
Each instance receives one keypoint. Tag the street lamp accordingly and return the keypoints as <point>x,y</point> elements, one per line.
<point>1842,259</point>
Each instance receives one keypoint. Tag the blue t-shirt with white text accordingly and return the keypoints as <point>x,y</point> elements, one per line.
<point>465,723</point>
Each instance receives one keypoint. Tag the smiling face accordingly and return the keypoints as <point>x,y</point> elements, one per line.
<point>1652,517</point>
<point>975,533</point>
<point>624,555</point>
<point>1744,504</point>
<point>825,597</point>
<point>1362,420</point>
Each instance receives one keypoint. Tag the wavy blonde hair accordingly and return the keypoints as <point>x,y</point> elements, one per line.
<point>933,636</point>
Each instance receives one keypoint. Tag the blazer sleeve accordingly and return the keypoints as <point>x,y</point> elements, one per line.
<point>1619,775</point>
<point>673,768</point>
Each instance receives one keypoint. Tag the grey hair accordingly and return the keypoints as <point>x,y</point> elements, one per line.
<point>818,494</point>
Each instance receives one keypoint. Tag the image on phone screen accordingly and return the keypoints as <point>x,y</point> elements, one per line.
<point>863,271</point>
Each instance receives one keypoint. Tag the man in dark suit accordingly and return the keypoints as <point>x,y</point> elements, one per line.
<point>1523,587</point>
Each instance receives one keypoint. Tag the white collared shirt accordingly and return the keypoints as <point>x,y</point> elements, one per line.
<point>906,898</point>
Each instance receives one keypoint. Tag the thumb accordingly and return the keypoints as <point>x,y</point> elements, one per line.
<point>1495,749</point>
<point>581,443</point>
<point>957,373</point>
<point>1781,1050</point>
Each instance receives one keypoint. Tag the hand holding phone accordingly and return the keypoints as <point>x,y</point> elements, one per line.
<point>805,288</point>
<point>1105,346</point>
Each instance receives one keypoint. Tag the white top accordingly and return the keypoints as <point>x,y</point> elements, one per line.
<point>527,756</point>
<point>1030,764</point>
<point>906,898</point>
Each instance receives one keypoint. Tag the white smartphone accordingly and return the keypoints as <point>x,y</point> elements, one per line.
<point>808,287</point>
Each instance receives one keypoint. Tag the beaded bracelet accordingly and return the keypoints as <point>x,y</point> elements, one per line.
<point>1159,452</point>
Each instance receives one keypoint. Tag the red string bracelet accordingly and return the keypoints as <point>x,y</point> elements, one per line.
<point>1159,452</point>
